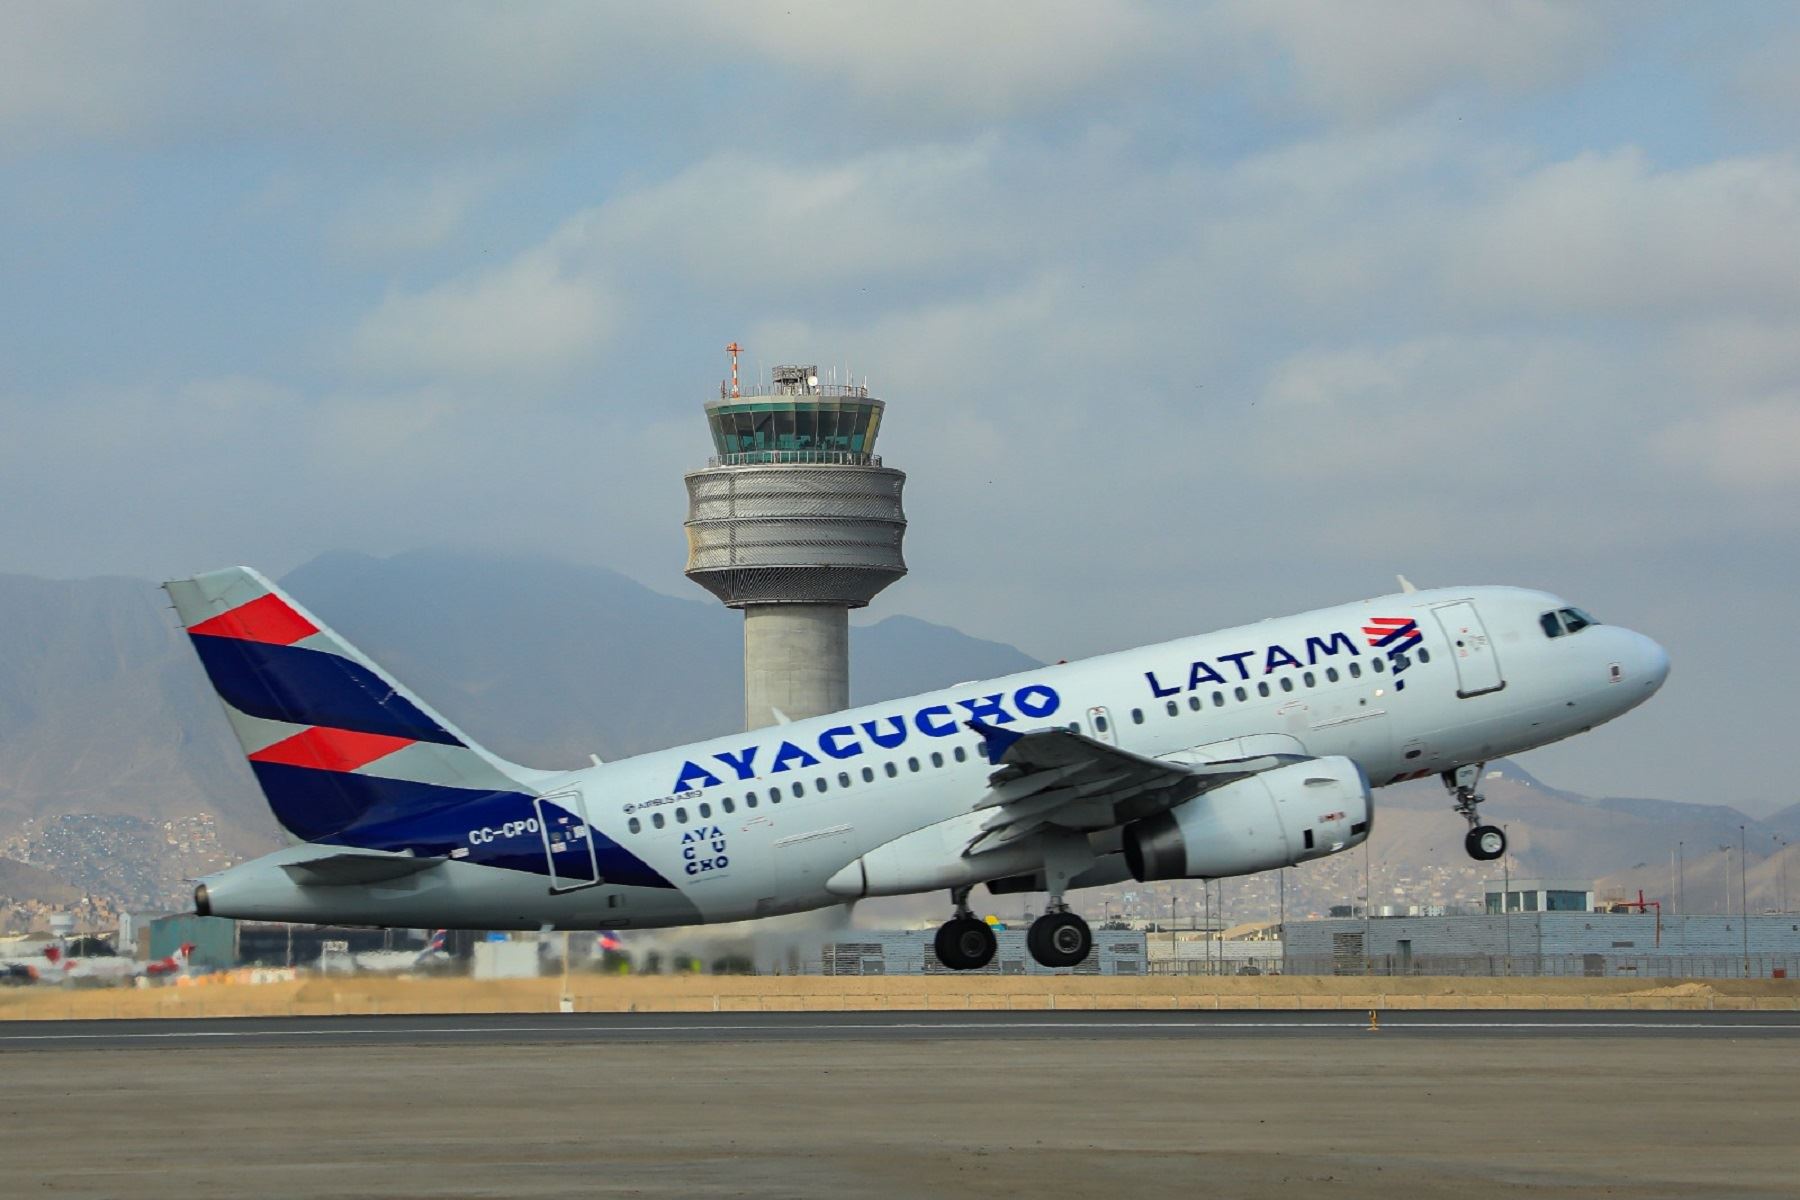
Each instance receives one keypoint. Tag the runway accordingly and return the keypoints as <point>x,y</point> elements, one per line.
<point>514,1029</point>
<point>1434,1105</point>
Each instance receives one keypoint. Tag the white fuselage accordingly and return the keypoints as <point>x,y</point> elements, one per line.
<point>756,823</point>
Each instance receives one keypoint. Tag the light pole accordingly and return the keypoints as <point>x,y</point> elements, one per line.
<point>1366,931</point>
<point>1744,896</point>
<point>1506,901</point>
<point>1281,923</point>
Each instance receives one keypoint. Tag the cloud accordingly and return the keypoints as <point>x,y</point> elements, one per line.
<point>972,61</point>
<point>1372,59</point>
<point>432,75</point>
<point>531,317</point>
<point>399,218</point>
<point>1749,448</point>
<point>1611,234</point>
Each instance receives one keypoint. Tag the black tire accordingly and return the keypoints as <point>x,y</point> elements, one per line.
<point>1060,939</point>
<point>1485,843</point>
<point>965,944</point>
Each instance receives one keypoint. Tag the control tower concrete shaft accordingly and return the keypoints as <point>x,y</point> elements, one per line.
<point>795,521</point>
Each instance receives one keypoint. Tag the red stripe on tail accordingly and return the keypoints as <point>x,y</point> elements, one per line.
<point>331,749</point>
<point>265,619</point>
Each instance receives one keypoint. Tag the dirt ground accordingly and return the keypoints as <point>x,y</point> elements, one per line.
<point>1351,1117</point>
<point>225,995</point>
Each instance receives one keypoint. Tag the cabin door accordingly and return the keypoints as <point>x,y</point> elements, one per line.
<point>1100,726</point>
<point>1477,666</point>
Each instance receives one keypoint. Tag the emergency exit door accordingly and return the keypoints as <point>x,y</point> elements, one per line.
<point>1477,666</point>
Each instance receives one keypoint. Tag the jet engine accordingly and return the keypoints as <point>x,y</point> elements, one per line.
<point>1273,819</point>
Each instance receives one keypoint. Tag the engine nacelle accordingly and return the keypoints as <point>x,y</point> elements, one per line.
<point>1274,819</point>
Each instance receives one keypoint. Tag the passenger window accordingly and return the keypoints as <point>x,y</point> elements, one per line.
<point>937,760</point>
<point>799,789</point>
<point>774,795</point>
<point>1287,683</point>
<point>1331,675</point>
<point>1137,716</point>
<point>634,825</point>
<point>1218,699</point>
<point>963,755</point>
<point>705,811</point>
<point>1377,665</point>
<point>727,805</point>
<point>750,800</point>
<point>912,764</point>
<point>1194,703</point>
<point>681,816</point>
<point>1356,670</point>
<point>1173,709</point>
<point>891,769</point>
<point>1424,655</point>
<point>1241,694</point>
<point>819,784</point>
<point>1552,625</point>
<point>1309,680</point>
<point>656,819</point>
<point>1262,689</point>
<point>843,779</point>
<point>868,774</point>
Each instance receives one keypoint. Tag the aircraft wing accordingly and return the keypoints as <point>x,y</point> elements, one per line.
<point>1057,777</point>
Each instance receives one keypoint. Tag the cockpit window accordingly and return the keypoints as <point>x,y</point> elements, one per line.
<point>1565,620</point>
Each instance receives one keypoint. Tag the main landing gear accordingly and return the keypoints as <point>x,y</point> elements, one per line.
<point>1484,843</point>
<point>1056,939</point>
<point>1059,938</point>
<point>965,942</point>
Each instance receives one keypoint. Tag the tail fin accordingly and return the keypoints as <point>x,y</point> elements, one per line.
<point>332,739</point>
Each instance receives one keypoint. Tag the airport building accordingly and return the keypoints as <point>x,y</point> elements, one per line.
<point>1548,942</point>
<point>909,952</point>
<point>794,520</point>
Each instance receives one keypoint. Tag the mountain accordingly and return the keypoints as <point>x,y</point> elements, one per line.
<point>118,772</point>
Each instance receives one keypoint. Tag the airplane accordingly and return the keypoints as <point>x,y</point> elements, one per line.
<point>112,967</point>
<point>1224,754</point>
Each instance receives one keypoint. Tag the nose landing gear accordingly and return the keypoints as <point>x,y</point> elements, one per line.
<point>1485,843</point>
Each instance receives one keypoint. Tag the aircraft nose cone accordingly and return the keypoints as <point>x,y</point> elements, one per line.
<point>1652,665</point>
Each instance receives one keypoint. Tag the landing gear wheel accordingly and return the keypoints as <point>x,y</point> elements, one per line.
<point>1059,939</point>
<point>965,944</point>
<point>1485,843</point>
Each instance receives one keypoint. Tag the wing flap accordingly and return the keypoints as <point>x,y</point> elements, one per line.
<point>1060,778</point>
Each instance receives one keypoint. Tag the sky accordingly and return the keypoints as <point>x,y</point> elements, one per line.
<point>1186,314</point>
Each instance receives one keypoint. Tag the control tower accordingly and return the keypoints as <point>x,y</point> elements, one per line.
<point>795,521</point>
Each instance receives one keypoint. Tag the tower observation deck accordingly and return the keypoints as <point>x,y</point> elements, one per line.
<point>795,521</point>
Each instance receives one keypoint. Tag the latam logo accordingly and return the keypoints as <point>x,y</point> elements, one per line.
<point>1394,636</point>
<point>1243,665</point>
<point>1035,701</point>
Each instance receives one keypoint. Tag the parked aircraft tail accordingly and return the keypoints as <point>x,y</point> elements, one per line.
<point>333,740</point>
